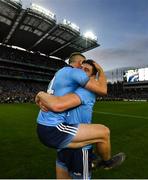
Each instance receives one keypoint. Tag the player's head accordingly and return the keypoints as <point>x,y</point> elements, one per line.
<point>89,67</point>
<point>76,59</point>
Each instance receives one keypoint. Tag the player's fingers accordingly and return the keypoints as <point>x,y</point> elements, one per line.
<point>97,65</point>
<point>43,108</point>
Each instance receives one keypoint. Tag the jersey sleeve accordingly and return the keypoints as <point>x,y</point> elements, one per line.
<point>79,76</point>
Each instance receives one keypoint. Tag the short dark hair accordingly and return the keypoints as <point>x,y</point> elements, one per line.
<point>72,56</point>
<point>91,62</point>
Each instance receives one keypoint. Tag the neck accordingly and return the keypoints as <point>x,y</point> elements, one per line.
<point>73,65</point>
<point>93,77</point>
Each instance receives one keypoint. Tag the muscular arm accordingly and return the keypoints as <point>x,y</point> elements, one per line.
<point>98,86</point>
<point>57,103</point>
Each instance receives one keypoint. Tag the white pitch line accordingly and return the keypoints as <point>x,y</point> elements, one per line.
<point>122,115</point>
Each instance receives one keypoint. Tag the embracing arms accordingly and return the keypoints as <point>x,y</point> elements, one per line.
<point>98,86</point>
<point>56,103</point>
<point>61,103</point>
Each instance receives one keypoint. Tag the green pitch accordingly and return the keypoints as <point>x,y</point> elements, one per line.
<point>23,156</point>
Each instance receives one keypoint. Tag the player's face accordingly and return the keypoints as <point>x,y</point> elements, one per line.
<point>88,69</point>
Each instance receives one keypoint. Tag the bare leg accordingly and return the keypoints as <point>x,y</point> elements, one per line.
<point>93,133</point>
<point>104,148</point>
<point>61,173</point>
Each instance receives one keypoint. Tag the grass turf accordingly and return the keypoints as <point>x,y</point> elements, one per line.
<point>23,156</point>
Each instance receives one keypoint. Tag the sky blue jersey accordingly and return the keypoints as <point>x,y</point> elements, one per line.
<point>82,113</point>
<point>66,80</point>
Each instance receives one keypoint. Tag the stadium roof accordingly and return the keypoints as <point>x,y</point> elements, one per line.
<point>36,29</point>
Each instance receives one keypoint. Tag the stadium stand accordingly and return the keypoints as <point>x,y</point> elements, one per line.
<point>23,74</point>
<point>117,91</point>
<point>32,48</point>
<point>36,29</point>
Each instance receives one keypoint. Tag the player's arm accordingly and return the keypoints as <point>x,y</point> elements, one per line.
<point>57,103</point>
<point>98,86</point>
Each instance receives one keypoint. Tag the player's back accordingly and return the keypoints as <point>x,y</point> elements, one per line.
<point>66,80</point>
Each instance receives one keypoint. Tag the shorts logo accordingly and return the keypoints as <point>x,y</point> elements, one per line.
<point>77,174</point>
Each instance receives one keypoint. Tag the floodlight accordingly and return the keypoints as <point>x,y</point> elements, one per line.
<point>90,35</point>
<point>72,25</point>
<point>42,10</point>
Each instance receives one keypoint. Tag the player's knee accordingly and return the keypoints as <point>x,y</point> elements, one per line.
<point>106,132</point>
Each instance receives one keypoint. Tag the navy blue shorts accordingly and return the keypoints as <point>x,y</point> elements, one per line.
<point>57,137</point>
<point>76,161</point>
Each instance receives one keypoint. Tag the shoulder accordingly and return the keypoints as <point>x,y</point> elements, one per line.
<point>66,68</point>
<point>78,71</point>
<point>63,70</point>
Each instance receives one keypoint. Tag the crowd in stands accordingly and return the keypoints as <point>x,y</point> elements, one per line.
<point>21,91</point>
<point>23,74</point>
<point>29,58</point>
<point>116,91</point>
<point>18,91</point>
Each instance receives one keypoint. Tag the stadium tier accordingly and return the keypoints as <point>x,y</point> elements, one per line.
<point>26,65</point>
<point>36,29</point>
<point>23,74</point>
<point>33,47</point>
